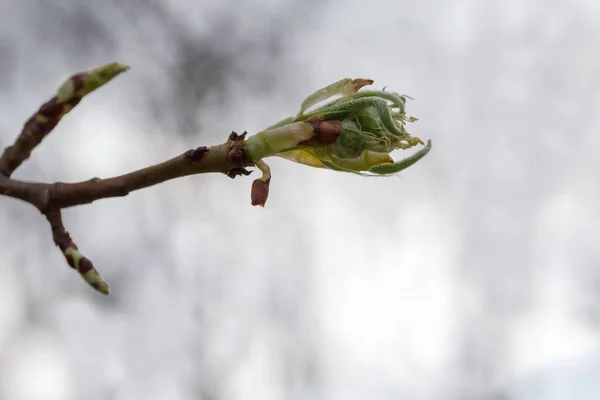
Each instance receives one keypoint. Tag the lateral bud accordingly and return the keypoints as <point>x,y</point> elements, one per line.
<point>85,268</point>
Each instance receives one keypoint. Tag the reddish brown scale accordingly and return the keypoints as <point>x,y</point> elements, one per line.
<point>234,136</point>
<point>78,81</point>
<point>70,261</point>
<point>63,240</point>
<point>45,127</point>
<point>260,192</point>
<point>193,156</point>
<point>52,111</point>
<point>51,108</point>
<point>85,265</point>
<point>360,82</point>
<point>73,102</point>
<point>236,153</point>
<point>326,132</point>
<point>233,172</point>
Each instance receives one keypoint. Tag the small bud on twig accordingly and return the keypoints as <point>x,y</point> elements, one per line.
<point>84,266</point>
<point>84,83</point>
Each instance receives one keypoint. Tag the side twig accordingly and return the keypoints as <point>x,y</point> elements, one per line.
<point>50,198</point>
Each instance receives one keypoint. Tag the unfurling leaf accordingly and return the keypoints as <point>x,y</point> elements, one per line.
<point>355,132</point>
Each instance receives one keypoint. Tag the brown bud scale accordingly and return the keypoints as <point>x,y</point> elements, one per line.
<point>260,192</point>
<point>85,265</point>
<point>193,156</point>
<point>326,132</point>
<point>360,82</point>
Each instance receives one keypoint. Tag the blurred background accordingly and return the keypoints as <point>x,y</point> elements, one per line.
<point>473,275</point>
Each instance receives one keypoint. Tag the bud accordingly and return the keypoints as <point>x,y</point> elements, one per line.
<point>85,268</point>
<point>373,125</point>
<point>84,83</point>
<point>352,133</point>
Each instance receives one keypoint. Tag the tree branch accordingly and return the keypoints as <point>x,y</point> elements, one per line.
<point>224,158</point>
<point>354,133</point>
<point>49,198</point>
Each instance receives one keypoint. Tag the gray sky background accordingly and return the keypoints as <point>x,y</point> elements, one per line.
<point>474,275</point>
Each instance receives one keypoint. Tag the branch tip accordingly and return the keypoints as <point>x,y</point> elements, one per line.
<point>84,83</point>
<point>75,259</point>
